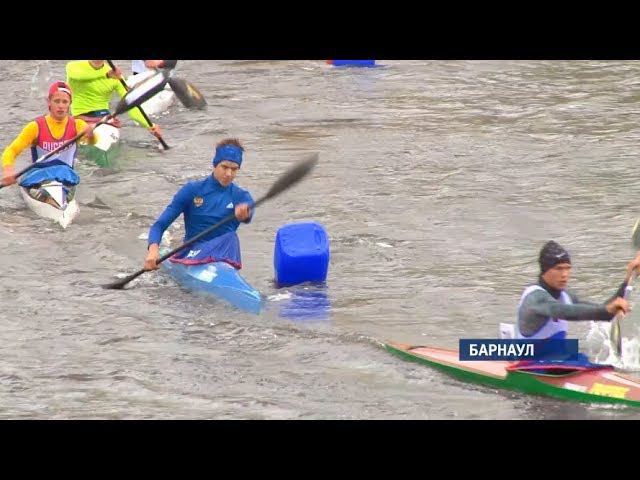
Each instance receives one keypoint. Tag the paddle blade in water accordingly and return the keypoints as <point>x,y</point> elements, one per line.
<point>142,92</point>
<point>635,235</point>
<point>189,95</point>
<point>616,337</point>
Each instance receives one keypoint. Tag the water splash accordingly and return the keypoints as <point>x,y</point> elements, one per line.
<point>599,347</point>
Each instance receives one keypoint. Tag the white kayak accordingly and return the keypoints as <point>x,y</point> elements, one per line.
<point>52,200</point>
<point>160,102</point>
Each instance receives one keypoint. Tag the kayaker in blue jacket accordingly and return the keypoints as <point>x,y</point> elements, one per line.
<point>203,203</point>
<point>545,307</point>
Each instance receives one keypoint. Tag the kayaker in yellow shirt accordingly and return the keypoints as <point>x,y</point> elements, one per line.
<point>48,132</point>
<point>93,82</point>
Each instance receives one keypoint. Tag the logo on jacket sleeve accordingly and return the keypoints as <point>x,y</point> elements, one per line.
<point>230,205</point>
<point>198,201</point>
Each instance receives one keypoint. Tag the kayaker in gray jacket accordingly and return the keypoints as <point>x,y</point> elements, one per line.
<point>546,307</point>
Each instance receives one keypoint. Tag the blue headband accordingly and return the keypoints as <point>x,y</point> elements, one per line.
<point>228,152</point>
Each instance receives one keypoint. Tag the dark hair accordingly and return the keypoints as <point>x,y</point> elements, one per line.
<point>230,141</point>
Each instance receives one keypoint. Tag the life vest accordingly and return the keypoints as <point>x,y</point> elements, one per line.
<point>46,142</point>
<point>553,326</point>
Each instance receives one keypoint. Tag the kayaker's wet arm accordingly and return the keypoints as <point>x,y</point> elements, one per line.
<point>242,212</point>
<point>174,209</point>
<point>89,138</point>
<point>539,306</point>
<point>151,261</point>
<point>245,198</point>
<point>177,206</point>
<point>25,139</point>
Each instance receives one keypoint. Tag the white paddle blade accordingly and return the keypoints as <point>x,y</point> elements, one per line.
<point>142,92</point>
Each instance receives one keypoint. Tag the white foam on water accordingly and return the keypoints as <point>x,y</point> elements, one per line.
<point>165,241</point>
<point>598,342</point>
<point>279,296</point>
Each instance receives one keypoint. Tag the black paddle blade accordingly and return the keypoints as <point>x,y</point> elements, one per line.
<point>119,284</point>
<point>291,177</point>
<point>142,92</point>
<point>169,64</point>
<point>189,95</point>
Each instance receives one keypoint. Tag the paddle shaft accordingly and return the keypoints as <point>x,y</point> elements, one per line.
<point>144,115</point>
<point>615,323</point>
<point>61,147</point>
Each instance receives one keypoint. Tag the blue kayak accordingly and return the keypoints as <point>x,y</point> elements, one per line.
<point>218,279</point>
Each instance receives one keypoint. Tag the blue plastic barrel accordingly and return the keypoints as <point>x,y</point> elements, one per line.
<point>352,63</point>
<point>301,254</point>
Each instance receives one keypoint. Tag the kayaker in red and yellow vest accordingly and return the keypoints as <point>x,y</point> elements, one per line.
<point>48,132</point>
<point>93,82</point>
